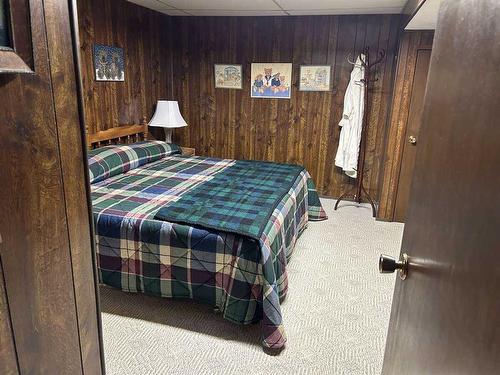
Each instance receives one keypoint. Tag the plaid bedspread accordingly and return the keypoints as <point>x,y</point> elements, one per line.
<point>242,278</point>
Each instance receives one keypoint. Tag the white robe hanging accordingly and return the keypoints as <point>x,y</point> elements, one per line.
<point>352,122</point>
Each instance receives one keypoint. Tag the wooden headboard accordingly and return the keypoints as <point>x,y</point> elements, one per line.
<point>121,134</point>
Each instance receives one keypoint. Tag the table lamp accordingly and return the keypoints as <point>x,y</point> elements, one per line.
<point>167,116</point>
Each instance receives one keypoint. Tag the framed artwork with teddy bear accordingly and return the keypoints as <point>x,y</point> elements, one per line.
<point>271,80</point>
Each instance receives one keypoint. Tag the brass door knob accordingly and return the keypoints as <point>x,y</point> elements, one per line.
<point>412,139</point>
<point>388,264</point>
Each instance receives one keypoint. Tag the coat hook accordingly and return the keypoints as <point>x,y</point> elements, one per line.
<point>349,60</point>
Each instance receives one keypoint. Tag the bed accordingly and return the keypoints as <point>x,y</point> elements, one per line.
<point>219,231</point>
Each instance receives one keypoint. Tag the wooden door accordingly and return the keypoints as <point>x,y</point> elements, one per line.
<point>49,322</point>
<point>413,49</point>
<point>412,134</point>
<point>445,316</point>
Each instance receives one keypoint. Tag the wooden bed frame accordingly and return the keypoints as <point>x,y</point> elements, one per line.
<point>125,135</point>
<point>121,134</point>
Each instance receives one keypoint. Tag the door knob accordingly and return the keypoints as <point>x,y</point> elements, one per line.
<point>412,139</point>
<point>388,264</point>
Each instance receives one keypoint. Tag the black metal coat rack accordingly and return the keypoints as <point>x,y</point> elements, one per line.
<point>359,190</point>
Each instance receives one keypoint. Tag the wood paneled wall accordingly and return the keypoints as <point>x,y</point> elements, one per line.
<point>411,42</point>
<point>49,322</point>
<point>173,58</point>
<point>145,37</point>
<point>303,130</point>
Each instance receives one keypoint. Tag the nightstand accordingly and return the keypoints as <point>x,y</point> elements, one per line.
<point>188,151</point>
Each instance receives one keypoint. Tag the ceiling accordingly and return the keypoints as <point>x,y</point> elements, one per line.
<point>426,17</point>
<point>271,7</point>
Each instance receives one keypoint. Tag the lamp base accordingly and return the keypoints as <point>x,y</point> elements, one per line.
<point>168,135</point>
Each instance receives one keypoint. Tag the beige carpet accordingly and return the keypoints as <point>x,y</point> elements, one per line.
<point>336,313</point>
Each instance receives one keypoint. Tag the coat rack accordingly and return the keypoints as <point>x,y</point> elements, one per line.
<point>359,189</point>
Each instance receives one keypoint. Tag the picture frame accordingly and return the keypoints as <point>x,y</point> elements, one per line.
<point>109,63</point>
<point>228,76</point>
<point>315,78</point>
<point>271,80</point>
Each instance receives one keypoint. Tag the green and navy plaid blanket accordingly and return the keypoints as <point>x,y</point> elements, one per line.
<point>241,277</point>
<point>240,200</point>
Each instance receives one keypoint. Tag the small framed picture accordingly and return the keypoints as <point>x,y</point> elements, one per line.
<point>271,80</point>
<point>109,64</point>
<point>315,77</point>
<point>228,76</point>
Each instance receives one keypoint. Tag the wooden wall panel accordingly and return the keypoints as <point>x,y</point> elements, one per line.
<point>145,38</point>
<point>45,250</point>
<point>8,356</point>
<point>73,164</point>
<point>303,130</point>
<point>35,248</point>
<point>410,43</point>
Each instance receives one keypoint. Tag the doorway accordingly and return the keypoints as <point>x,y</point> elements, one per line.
<point>404,125</point>
<point>410,145</point>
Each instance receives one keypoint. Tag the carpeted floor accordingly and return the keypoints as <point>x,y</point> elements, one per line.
<point>336,313</point>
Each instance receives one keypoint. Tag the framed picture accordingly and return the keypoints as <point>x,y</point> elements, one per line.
<point>271,80</point>
<point>109,64</point>
<point>228,76</point>
<point>315,77</point>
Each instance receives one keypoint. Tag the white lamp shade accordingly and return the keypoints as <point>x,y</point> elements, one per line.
<point>167,115</point>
